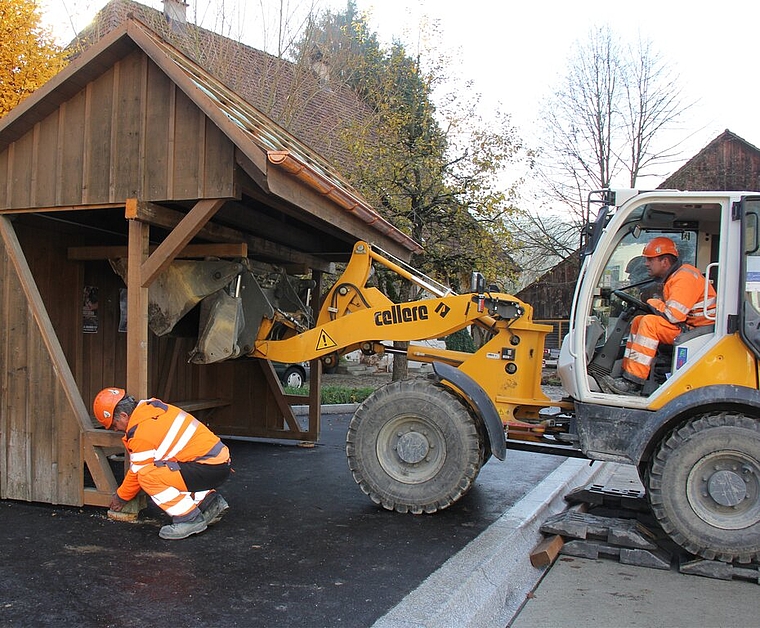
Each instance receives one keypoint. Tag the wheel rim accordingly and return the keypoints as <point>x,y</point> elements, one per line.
<point>723,489</point>
<point>294,380</point>
<point>411,449</point>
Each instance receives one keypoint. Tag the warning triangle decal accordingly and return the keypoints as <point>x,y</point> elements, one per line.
<point>325,342</point>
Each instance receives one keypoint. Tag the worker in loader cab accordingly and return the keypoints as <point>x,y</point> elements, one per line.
<point>682,307</point>
<point>173,457</point>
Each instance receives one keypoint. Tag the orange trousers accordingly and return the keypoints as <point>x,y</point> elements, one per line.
<point>647,332</point>
<point>168,490</point>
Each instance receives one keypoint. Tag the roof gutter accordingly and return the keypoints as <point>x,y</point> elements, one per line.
<point>340,196</point>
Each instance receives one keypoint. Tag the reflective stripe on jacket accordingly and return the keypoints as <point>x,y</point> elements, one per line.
<point>158,432</point>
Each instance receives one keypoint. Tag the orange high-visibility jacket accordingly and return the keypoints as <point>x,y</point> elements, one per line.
<point>158,431</point>
<point>684,298</point>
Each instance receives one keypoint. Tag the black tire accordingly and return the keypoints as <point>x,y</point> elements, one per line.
<point>412,446</point>
<point>704,486</point>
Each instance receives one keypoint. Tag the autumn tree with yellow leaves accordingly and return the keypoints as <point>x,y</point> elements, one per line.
<point>29,55</point>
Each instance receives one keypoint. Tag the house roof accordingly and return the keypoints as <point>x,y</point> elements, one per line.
<point>277,163</point>
<point>728,162</point>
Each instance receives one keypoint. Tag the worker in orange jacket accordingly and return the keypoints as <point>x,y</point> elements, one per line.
<point>682,307</point>
<point>173,457</point>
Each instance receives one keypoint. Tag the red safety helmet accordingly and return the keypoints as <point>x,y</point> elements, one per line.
<point>104,404</point>
<point>660,246</point>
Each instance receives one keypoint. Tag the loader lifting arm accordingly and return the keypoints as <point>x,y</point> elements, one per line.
<point>356,316</point>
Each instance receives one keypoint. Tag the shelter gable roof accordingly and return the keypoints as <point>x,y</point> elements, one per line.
<point>315,111</point>
<point>268,147</point>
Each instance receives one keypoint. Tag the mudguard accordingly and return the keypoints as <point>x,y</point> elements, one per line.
<point>480,402</point>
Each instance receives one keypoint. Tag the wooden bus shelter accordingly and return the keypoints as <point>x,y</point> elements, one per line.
<point>135,153</point>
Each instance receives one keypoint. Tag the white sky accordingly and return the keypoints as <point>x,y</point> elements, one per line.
<point>514,52</point>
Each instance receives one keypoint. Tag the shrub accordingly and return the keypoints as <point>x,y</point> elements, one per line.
<point>335,394</point>
<point>460,341</point>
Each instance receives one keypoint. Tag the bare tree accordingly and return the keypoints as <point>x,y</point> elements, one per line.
<point>607,118</point>
<point>609,122</point>
<point>654,104</point>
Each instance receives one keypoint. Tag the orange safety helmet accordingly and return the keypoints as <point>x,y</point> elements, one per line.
<point>660,246</point>
<point>104,404</point>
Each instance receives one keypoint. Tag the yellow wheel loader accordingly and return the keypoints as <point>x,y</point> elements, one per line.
<point>418,445</point>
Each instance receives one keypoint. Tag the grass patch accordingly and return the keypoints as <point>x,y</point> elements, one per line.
<point>335,394</point>
<point>550,378</point>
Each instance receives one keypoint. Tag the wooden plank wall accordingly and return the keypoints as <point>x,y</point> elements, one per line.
<point>40,448</point>
<point>131,133</point>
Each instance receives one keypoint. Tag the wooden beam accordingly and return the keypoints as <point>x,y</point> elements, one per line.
<point>166,218</point>
<point>300,236</point>
<point>137,311</point>
<point>188,227</point>
<point>61,208</point>
<point>103,438</point>
<point>90,253</point>
<point>279,397</point>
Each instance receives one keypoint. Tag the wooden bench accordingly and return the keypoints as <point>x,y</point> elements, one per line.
<point>200,404</point>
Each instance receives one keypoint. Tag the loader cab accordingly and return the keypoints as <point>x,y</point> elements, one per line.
<point>614,285</point>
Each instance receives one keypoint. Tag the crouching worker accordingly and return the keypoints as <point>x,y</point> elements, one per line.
<point>173,457</point>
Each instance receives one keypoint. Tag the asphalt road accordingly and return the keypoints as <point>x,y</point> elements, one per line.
<point>301,545</point>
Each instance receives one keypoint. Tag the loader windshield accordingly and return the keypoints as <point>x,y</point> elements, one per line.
<point>625,269</point>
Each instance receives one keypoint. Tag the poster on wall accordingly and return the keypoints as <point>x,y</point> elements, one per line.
<point>90,310</point>
<point>123,310</point>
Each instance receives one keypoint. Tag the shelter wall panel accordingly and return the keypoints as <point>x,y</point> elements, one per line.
<point>104,350</point>
<point>21,184</point>
<point>253,411</point>
<point>219,163</point>
<point>17,453</point>
<point>5,296</point>
<point>47,160</point>
<point>41,410</point>
<point>189,137</point>
<point>43,431</point>
<point>100,100</point>
<point>128,115</point>
<point>71,139</point>
<point>58,280</point>
<point>159,90</point>
<point>67,470</point>
<point>4,179</point>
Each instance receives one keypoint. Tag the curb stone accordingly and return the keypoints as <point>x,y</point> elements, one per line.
<point>486,582</point>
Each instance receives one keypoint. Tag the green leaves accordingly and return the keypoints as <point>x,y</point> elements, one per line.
<point>28,55</point>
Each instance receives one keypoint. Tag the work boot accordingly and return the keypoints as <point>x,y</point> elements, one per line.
<point>619,386</point>
<point>183,529</point>
<point>213,508</point>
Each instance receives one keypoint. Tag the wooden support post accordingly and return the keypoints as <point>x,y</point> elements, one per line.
<point>137,311</point>
<point>315,370</point>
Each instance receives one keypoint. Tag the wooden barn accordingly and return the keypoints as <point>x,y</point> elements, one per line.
<point>135,157</point>
<point>727,163</point>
